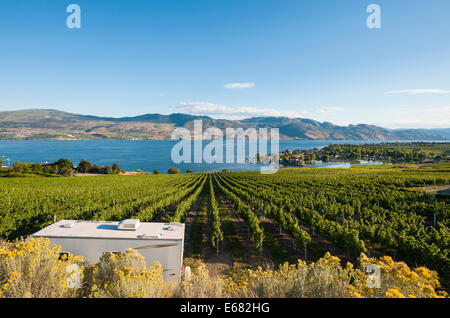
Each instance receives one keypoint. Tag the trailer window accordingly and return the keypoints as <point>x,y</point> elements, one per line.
<point>63,256</point>
<point>114,253</point>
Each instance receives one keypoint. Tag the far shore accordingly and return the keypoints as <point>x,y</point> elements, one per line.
<point>126,173</point>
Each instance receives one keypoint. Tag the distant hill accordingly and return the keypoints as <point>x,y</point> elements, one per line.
<point>52,124</point>
<point>423,133</point>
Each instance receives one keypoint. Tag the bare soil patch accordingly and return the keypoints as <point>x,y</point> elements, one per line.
<point>444,190</point>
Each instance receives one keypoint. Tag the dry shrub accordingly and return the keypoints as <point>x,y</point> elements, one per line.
<point>202,285</point>
<point>125,275</point>
<point>325,278</point>
<point>399,281</point>
<point>31,268</point>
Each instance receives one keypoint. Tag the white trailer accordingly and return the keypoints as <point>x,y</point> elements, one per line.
<point>162,242</point>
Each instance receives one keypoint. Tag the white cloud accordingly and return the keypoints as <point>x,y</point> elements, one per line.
<point>239,85</point>
<point>443,111</point>
<point>210,109</point>
<point>419,91</point>
<point>329,110</point>
<point>426,117</point>
<point>414,123</point>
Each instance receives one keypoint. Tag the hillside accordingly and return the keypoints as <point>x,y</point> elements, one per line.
<point>422,133</point>
<point>57,125</point>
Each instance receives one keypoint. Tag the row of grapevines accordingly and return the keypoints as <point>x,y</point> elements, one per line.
<point>286,220</point>
<point>246,213</point>
<point>216,234</point>
<point>367,206</point>
<point>184,206</point>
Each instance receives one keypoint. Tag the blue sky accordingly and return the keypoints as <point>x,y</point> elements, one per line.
<point>231,59</point>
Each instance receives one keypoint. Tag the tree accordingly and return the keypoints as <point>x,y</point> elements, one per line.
<point>84,166</point>
<point>66,172</point>
<point>63,164</point>
<point>156,171</point>
<point>35,167</point>
<point>1,162</point>
<point>189,171</point>
<point>115,168</point>
<point>64,167</point>
<point>174,171</point>
<point>108,170</point>
<point>17,166</point>
<point>26,167</point>
<point>96,169</point>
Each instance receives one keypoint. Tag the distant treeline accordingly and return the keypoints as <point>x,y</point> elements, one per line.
<point>398,152</point>
<point>390,152</point>
<point>62,167</point>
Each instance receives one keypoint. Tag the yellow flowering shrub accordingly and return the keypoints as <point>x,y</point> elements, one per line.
<point>202,285</point>
<point>325,278</point>
<point>31,268</point>
<point>399,281</point>
<point>125,275</point>
<point>328,278</point>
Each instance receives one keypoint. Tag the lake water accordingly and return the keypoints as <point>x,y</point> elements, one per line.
<point>145,155</point>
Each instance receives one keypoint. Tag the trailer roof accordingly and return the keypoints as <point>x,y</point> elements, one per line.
<point>106,229</point>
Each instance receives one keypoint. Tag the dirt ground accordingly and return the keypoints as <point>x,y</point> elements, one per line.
<point>218,265</point>
<point>444,190</point>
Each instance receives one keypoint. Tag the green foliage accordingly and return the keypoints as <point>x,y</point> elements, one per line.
<point>17,166</point>
<point>84,166</point>
<point>246,213</point>
<point>217,234</point>
<point>359,207</point>
<point>62,167</point>
<point>184,206</point>
<point>391,152</point>
<point>108,170</point>
<point>285,219</point>
<point>63,164</point>
<point>96,169</point>
<point>28,204</point>
<point>115,168</point>
<point>174,171</point>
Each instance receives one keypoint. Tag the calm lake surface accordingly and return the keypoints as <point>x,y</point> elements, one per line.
<point>145,155</point>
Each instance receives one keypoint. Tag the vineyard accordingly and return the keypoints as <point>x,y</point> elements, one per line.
<point>248,219</point>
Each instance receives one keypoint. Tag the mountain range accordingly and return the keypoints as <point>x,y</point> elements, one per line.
<point>49,124</point>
